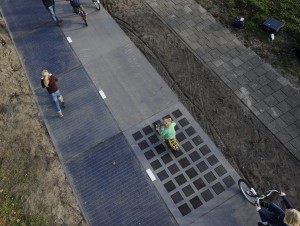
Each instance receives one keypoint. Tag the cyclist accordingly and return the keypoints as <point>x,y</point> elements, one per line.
<point>271,214</point>
<point>76,4</point>
<point>168,130</point>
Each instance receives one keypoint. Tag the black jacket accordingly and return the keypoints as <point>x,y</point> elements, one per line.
<point>48,3</point>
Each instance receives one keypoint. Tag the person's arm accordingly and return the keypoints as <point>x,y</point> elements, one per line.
<point>286,201</point>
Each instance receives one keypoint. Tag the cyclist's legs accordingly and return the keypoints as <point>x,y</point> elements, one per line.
<point>276,209</point>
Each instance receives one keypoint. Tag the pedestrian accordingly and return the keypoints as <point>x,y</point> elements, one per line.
<point>50,6</point>
<point>49,81</point>
<point>271,214</point>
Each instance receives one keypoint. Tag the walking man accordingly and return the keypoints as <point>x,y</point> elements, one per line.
<point>50,6</point>
<point>49,81</point>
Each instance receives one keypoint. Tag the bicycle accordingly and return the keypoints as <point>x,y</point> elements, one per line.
<point>97,4</point>
<point>172,143</point>
<point>250,193</point>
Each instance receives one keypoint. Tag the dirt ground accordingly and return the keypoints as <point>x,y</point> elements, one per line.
<point>30,169</point>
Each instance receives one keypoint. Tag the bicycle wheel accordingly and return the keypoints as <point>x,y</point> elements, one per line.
<point>97,4</point>
<point>247,192</point>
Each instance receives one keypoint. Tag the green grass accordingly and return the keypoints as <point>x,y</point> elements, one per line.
<point>255,13</point>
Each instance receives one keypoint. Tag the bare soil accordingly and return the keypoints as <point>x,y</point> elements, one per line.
<point>30,169</point>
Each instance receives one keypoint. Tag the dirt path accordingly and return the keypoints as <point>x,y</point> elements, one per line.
<point>33,186</point>
<point>251,148</point>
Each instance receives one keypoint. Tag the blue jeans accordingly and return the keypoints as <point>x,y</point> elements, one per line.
<point>55,97</point>
<point>51,10</point>
<point>274,214</point>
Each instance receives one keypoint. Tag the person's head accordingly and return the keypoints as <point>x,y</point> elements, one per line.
<point>46,75</point>
<point>292,217</point>
<point>167,122</point>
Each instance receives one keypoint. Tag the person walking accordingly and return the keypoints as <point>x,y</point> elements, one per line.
<point>50,6</point>
<point>48,81</point>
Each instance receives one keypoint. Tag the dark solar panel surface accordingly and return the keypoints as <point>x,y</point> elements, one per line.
<point>112,189</point>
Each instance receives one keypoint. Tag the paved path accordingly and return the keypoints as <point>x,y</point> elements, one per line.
<point>121,173</point>
<point>263,90</point>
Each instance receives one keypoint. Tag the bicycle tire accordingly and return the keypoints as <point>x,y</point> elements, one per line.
<point>245,186</point>
<point>97,4</point>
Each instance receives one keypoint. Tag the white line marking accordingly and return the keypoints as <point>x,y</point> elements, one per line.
<point>102,94</point>
<point>151,175</point>
<point>69,39</point>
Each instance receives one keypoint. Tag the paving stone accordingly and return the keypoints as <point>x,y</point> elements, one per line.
<point>234,85</point>
<point>274,112</point>
<point>272,75</point>
<point>217,62</point>
<point>265,117</point>
<point>236,62</point>
<point>261,106</point>
<point>267,67</point>
<point>247,66</point>
<point>291,148</point>
<point>293,101</point>
<point>176,197</point>
<point>284,107</point>
<point>288,118</point>
<point>275,85</point>
<point>296,112</point>
<point>297,123</point>
<point>251,75</point>
<point>296,142</point>
<point>239,71</point>
<point>271,101</point>
<point>215,53</point>
<point>234,53</point>
<point>279,95</point>
<point>260,70</point>
<point>263,80</point>
<point>288,90</point>
<point>242,80</point>
<point>255,85</point>
<point>256,61</point>
<point>258,95</point>
<point>230,75</point>
<point>279,124</point>
<point>284,136</point>
<point>224,49</point>
<point>266,90</point>
<point>283,81</point>
<point>293,130</point>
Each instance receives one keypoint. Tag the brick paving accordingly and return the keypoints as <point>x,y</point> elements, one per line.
<point>257,84</point>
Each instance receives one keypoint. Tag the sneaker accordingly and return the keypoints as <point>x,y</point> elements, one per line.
<point>261,224</point>
<point>63,104</point>
<point>60,114</point>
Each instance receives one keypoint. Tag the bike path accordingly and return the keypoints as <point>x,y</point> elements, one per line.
<point>104,140</point>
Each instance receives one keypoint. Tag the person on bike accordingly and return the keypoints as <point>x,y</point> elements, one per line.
<point>76,4</point>
<point>168,130</point>
<point>271,214</point>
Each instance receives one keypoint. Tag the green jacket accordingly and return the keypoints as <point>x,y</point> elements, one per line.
<point>168,133</point>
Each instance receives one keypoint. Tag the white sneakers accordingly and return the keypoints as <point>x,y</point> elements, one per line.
<point>60,114</point>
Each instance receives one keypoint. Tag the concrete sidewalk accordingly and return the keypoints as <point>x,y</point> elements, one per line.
<point>121,173</point>
<point>263,90</point>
